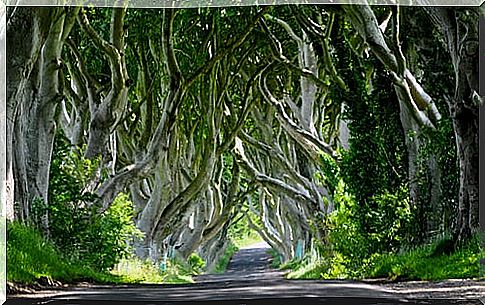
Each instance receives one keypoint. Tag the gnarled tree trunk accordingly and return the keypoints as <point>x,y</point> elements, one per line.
<point>459,28</point>
<point>32,113</point>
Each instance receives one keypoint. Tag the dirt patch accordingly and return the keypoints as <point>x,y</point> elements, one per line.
<point>42,284</point>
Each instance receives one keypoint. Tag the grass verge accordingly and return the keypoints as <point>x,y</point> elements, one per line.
<point>146,272</point>
<point>421,263</point>
<point>30,257</point>
<point>223,262</point>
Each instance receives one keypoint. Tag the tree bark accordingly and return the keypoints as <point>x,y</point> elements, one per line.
<point>459,28</point>
<point>26,33</point>
<point>34,121</point>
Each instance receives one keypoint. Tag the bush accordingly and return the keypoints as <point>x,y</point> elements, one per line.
<point>385,225</point>
<point>422,264</point>
<point>196,263</point>
<point>31,256</point>
<point>108,235</point>
<point>98,240</point>
<point>77,227</point>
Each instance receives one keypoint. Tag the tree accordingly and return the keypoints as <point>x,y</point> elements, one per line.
<point>34,91</point>
<point>459,30</point>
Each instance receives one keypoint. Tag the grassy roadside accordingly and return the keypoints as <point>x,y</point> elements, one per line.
<point>223,262</point>
<point>422,263</point>
<point>146,272</point>
<point>31,257</point>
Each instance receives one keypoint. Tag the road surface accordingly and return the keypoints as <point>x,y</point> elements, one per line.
<point>249,280</point>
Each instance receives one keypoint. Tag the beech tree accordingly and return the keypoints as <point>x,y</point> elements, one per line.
<point>459,30</point>
<point>205,115</point>
<point>34,89</point>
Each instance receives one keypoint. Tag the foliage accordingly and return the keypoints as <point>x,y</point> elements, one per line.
<point>436,143</point>
<point>31,256</point>
<point>414,264</point>
<point>345,235</point>
<point>329,173</point>
<point>145,271</point>
<point>196,263</point>
<point>109,235</point>
<point>390,219</point>
<point>223,262</point>
<point>374,168</point>
<point>351,245</point>
<point>77,227</point>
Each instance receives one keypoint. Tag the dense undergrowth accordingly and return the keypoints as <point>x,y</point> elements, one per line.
<point>30,256</point>
<point>421,263</point>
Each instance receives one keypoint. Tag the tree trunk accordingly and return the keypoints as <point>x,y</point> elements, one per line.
<point>25,37</point>
<point>34,121</point>
<point>465,122</point>
<point>460,32</point>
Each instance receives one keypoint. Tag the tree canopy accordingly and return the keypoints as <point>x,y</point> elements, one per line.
<point>345,125</point>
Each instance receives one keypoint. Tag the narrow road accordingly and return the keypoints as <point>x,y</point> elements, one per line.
<point>249,280</point>
<point>248,265</point>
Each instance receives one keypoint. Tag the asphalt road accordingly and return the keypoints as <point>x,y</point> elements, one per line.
<point>249,280</point>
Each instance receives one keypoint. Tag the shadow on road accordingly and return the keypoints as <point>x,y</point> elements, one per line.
<point>251,264</point>
<point>249,280</point>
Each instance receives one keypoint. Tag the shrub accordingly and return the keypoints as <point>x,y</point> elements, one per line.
<point>77,227</point>
<point>31,256</point>
<point>108,235</point>
<point>196,263</point>
<point>223,262</point>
